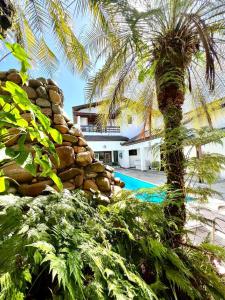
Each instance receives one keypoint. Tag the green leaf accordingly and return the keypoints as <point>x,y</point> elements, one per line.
<point>45,122</point>
<point>56,180</point>
<point>20,54</point>
<point>43,246</point>
<point>27,276</point>
<point>56,135</point>
<point>37,257</point>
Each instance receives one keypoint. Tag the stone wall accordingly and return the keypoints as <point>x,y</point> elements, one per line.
<point>78,168</point>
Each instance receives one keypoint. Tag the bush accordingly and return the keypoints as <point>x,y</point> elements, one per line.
<point>12,107</point>
<point>155,165</point>
<point>60,247</point>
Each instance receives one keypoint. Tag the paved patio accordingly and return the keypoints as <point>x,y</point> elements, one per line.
<point>158,178</point>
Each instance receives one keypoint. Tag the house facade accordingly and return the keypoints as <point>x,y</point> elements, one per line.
<point>127,144</point>
<point>130,145</point>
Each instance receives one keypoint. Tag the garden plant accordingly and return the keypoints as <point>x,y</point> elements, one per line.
<point>14,102</point>
<point>159,43</point>
<point>67,246</point>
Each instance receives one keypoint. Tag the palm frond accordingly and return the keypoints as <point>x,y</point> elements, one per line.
<point>37,16</point>
<point>39,21</point>
<point>47,58</point>
<point>68,43</point>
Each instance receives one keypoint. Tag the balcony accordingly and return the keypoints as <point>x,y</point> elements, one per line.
<point>99,129</point>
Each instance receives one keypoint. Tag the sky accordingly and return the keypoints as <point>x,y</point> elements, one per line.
<point>71,84</point>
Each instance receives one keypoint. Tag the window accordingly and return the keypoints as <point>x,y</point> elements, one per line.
<point>129,119</point>
<point>132,152</point>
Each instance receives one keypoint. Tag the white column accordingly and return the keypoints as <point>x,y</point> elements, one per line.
<point>143,159</point>
<point>78,122</point>
<point>112,156</point>
<point>126,159</point>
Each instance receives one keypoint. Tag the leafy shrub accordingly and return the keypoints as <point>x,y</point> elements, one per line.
<point>12,106</point>
<point>59,247</point>
<point>155,165</point>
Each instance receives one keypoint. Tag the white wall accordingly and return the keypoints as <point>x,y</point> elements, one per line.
<point>140,161</point>
<point>146,154</point>
<point>94,110</point>
<point>89,110</point>
<point>105,146</point>
<point>83,121</point>
<point>130,130</point>
<point>208,148</point>
<point>134,158</point>
<point>127,130</point>
<point>124,160</point>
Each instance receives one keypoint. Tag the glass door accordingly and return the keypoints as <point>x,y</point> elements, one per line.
<point>107,158</point>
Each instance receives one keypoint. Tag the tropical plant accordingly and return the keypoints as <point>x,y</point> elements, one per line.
<point>60,247</point>
<point>45,30</point>
<point>158,44</point>
<point>155,165</point>
<point>207,166</point>
<point>13,126</point>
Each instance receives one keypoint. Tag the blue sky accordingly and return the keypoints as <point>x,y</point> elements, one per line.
<point>71,84</point>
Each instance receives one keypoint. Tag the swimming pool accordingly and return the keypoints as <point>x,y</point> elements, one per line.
<point>132,184</point>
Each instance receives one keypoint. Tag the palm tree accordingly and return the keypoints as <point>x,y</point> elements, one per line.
<point>161,44</point>
<point>45,29</point>
<point>6,15</point>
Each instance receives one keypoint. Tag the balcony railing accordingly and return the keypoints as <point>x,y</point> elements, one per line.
<point>97,128</point>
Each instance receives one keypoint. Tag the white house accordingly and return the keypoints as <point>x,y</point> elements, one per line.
<point>130,145</point>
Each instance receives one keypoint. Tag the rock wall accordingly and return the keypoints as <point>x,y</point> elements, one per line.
<point>78,168</point>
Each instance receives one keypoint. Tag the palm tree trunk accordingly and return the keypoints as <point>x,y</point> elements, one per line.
<point>6,15</point>
<point>170,97</point>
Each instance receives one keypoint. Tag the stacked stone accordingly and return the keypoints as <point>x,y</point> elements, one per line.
<point>77,168</point>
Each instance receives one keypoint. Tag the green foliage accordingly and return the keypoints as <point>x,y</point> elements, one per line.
<point>14,127</point>
<point>62,244</point>
<point>205,167</point>
<point>60,247</point>
<point>155,165</point>
<point>152,52</point>
<point>33,22</point>
<point>20,54</point>
<point>163,36</point>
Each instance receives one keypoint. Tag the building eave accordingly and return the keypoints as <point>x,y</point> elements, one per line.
<point>84,114</point>
<point>105,138</point>
<point>87,105</point>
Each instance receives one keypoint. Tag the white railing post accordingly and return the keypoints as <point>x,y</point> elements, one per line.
<point>213,230</point>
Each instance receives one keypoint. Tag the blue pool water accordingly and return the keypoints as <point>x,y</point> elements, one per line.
<point>133,184</point>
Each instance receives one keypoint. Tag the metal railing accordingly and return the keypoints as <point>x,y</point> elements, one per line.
<point>97,128</point>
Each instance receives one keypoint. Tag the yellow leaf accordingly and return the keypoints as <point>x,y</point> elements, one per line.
<point>2,184</point>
